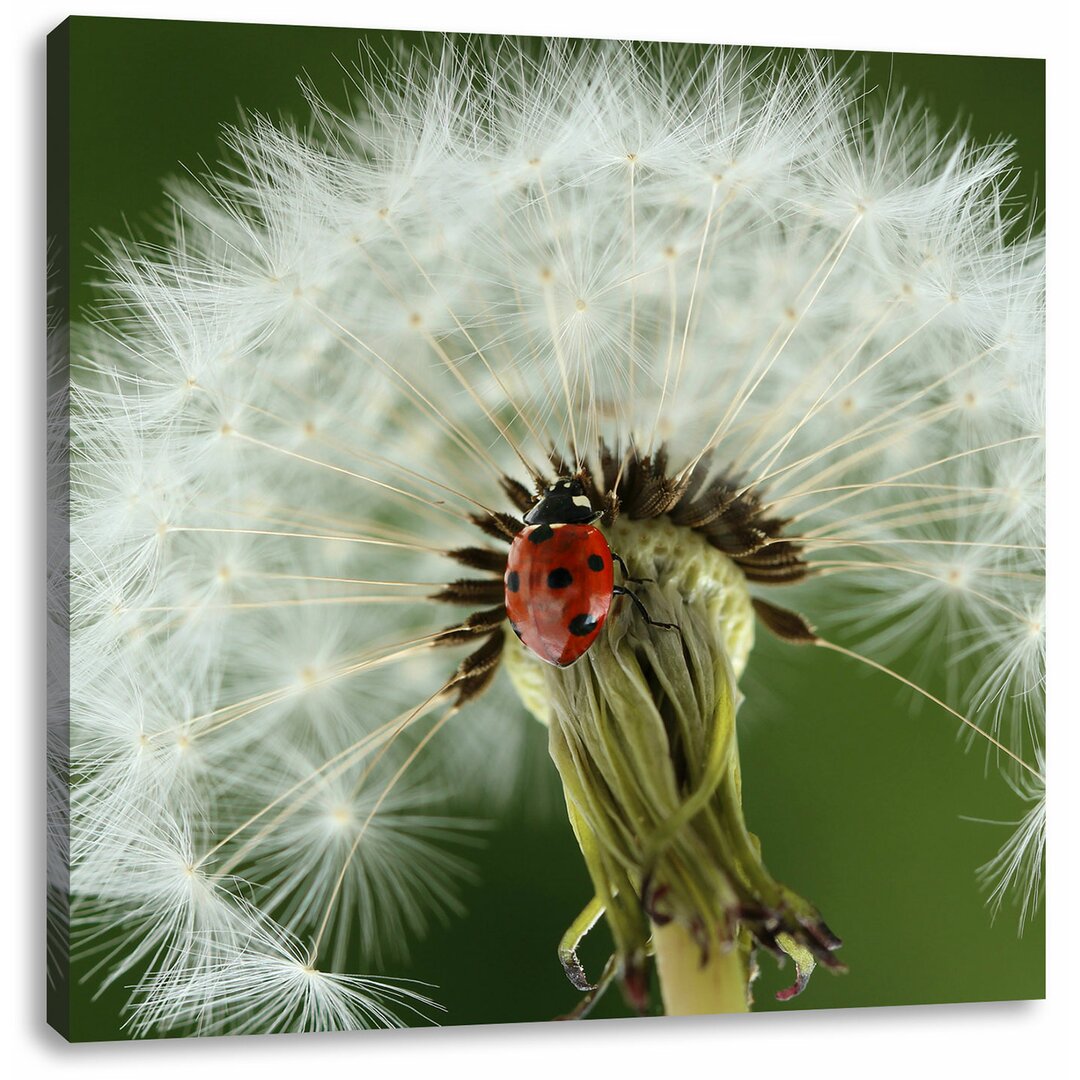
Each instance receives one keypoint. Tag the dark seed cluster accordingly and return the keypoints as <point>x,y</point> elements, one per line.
<point>710,502</point>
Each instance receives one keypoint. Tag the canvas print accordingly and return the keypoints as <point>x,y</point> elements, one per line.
<point>540,529</point>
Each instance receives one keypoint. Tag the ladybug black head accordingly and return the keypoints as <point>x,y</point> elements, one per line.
<point>564,503</point>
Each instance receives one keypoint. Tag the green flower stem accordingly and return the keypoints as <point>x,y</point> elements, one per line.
<point>692,988</point>
<point>643,733</point>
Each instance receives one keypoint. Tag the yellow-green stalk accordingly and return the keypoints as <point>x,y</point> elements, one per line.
<point>642,731</point>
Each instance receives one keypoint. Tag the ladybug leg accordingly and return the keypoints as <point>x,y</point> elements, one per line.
<point>642,610</point>
<point>626,573</point>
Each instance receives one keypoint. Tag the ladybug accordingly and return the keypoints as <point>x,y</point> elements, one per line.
<point>560,577</point>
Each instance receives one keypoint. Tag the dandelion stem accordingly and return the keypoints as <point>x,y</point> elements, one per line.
<point>692,988</point>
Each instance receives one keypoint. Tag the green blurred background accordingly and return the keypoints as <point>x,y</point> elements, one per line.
<point>861,803</point>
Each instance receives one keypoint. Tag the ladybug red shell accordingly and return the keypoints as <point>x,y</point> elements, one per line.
<point>559,586</point>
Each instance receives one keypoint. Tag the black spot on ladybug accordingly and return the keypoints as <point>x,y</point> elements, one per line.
<point>596,562</point>
<point>541,533</point>
<point>560,578</point>
<point>513,582</point>
<point>580,625</point>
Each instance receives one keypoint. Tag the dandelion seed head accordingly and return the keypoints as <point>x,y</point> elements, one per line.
<point>305,395</point>
<point>1016,873</point>
<point>268,984</point>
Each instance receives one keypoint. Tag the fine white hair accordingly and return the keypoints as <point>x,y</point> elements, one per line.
<point>298,394</point>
